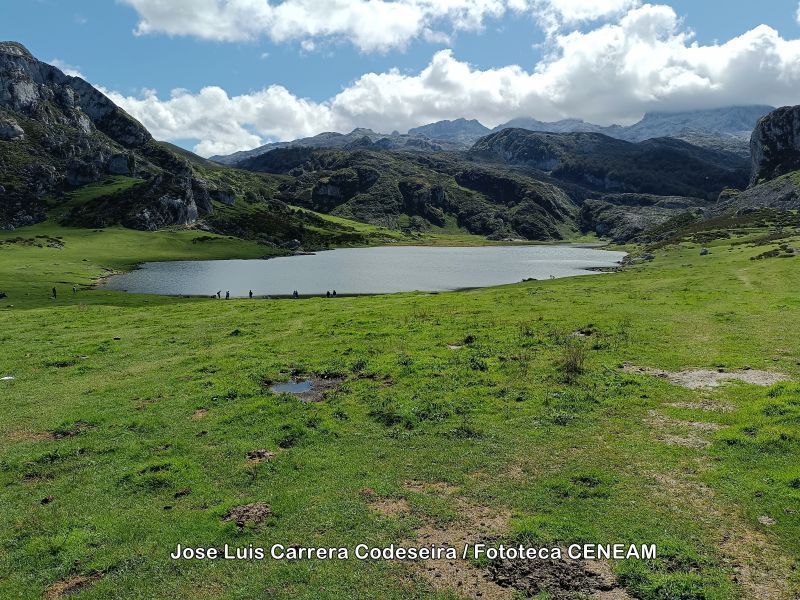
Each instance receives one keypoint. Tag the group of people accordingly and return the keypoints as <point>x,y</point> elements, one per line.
<point>295,294</point>
<point>55,292</point>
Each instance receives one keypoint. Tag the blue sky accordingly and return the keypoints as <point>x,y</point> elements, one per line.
<point>177,50</point>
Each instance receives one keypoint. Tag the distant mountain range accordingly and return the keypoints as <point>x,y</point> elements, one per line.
<point>725,129</point>
<point>68,153</point>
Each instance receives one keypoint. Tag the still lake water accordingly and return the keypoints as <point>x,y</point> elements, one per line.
<point>365,271</point>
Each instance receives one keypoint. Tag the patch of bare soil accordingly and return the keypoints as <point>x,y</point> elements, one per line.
<point>704,404</point>
<point>761,569</point>
<point>248,514</point>
<point>199,414</point>
<point>70,585</point>
<point>438,488</point>
<point>690,434</point>
<point>260,455</point>
<point>559,579</point>
<point>28,436</point>
<point>695,379</point>
<point>473,524</point>
<point>502,580</point>
<point>390,507</point>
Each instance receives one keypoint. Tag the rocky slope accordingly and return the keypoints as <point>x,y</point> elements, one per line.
<point>358,138</point>
<point>459,131</point>
<point>775,175</point>
<point>68,151</point>
<point>725,129</point>
<point>58,132</point>
<point>662,166</point>
<point>420,191</point>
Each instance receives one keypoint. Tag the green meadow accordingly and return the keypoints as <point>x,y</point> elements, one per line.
<point>127,425</point>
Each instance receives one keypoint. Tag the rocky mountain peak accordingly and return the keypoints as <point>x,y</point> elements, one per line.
<point>775,144</point>
<point>15,49</point>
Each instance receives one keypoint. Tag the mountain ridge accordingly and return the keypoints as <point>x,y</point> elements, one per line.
<point>725,128</point>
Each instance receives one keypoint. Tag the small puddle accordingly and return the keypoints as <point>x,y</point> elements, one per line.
<point>293,387</point>
<point>313,389</point>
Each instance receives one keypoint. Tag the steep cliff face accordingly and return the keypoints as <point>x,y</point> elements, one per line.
<point>775,144</point>
<point>57,132</point>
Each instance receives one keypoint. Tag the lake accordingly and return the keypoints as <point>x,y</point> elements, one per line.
<point>366,271</point>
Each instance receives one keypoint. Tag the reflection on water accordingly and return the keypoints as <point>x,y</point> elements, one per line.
<point>292,387</point>
<point>365,271</point>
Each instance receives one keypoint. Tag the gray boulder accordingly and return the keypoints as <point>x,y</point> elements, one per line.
<point>121,164</point>
<point>10,130</point>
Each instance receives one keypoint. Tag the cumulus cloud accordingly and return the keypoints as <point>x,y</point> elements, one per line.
<point>643,60</point>
<point>371,25</point>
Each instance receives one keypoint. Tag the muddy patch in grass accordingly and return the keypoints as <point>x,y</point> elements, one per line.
<point>558,579</point>
<point>71,585</point>
<point>248,514</point>
<point>695,379</point>
<point>199,414</point>
<point>311,389</point>
<point>474,524</point>
<point>499,580</point>
<point>260,455</point>
<point>68,431</point>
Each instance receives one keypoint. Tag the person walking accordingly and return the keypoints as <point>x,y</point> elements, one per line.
<point>219,294</point>
<point>227,295</point>
<point>54,293</point>
<point>251,294</point>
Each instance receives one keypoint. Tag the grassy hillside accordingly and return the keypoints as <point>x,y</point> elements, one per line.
<point>128,422</point>
<point>420,192</point>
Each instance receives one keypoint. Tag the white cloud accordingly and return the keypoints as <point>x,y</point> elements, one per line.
<point>223,123</point>
<point>371,25</point>
<point>798,13</point>
<point>67,68</point>
<point>644,60</point>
